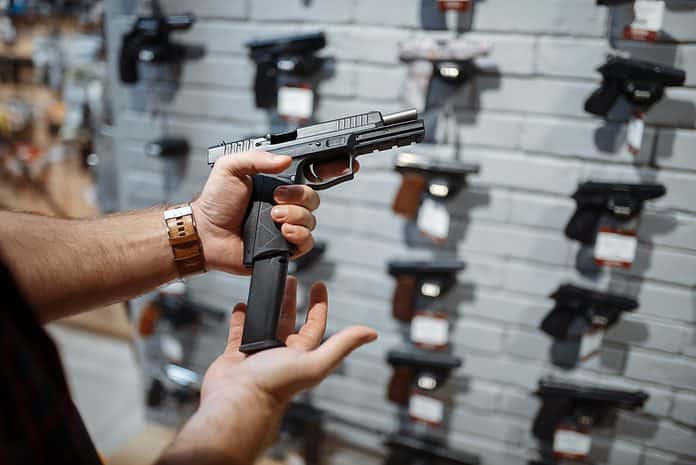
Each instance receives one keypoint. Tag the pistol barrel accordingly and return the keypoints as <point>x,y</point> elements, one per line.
<point>401,116</point>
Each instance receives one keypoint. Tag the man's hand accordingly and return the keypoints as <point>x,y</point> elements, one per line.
<point>243,397</point>
<point>220,209</point>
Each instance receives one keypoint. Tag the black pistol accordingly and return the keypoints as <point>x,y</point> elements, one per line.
<point>408,450</point>
<point>149,41</point>
<point>266,252</point>
<point>596,199</point>
<point>641,82</point>
<point>598,309</point>
<point>569,411</point>
<point>284,60</point>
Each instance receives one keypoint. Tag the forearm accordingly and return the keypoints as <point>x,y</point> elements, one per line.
<point>232,430</point>
<point>65,266</point>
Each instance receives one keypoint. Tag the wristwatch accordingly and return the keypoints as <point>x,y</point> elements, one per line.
<point>184,240</point>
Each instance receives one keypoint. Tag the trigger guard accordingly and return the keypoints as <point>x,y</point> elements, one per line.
<point>331,182</point>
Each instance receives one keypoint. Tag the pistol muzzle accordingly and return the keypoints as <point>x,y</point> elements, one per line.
<point>401,116</point>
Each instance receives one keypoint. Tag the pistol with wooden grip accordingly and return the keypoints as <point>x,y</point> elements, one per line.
<point>266,252</point>
<point>438,179</point>
<point>426,370</point>
<point>419,282</point>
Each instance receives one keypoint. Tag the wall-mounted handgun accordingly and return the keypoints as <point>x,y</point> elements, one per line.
<point>420,285</point>
<point>266,252</point>
<point>607,216</point>
<point>569,411</point>
<point>149,42</point>
<point>168,147</point>
<point>287,72</point>
<point>407,450</point>
<point>427,184</point>
<point>437,70</point>
<point>641,83</point>
<point>579,319</point>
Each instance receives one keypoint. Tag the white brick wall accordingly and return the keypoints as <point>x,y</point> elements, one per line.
<point>527,129</point>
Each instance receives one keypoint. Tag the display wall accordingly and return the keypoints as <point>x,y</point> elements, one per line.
<point>522,119</point>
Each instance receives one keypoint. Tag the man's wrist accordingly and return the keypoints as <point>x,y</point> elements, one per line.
<point>184,240</point>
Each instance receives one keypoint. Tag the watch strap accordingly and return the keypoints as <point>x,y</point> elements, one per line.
<point>184,240</point>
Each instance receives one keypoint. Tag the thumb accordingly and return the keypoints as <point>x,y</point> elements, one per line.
<point>332,352</point>
<point>250,163</point>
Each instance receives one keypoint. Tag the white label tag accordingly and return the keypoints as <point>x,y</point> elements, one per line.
<point>649,15</point>
<point>434,219</point>
<point>615,249</point>
<point>426,408</point>
<point>590,343</point>
<point>171,348</point>
<point>295,102</point>
<point>429,330</point>
<point>571,442</point>
<point>634,134</point>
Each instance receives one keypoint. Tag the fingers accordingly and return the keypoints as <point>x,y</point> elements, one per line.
<point>299,236</point>
<point>288,310</point>
<point>295,215</point>
<point>248,163</point>
<point>334,168</point>
<point>330,354</point>
<point>298,195</point>
<point>311,333</point>
<point>234,337</point>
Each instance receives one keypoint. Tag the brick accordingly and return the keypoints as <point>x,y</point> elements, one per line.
<point>595,140</point>
<point>668,229</point>
<point>369,44</point>
<point>505,308</point>
<point>511,54</point>
<point>685,408</point>
<point>332,11</point>
<point>490,450</point>
<point>490,426</point>
<point>341,83</point>
<point>510,169</point>
<point>227,37</point>
<point>380,83</point>
<point>667,302</point>
<point>517,372</point>
<point>213,8</point>
<point>661,369</point>
<point>614,452</point>
<point>236,73</point>
<point>388,13</point>
<point>690,343</point>
<point>675,147</point>
<point>541,211</point>
<point>674,439</point>
<point>532,95</point>
<point>534,280</point>
<point>489,129</point>
<point>664,265</point>
<point>569,57</point>
<point>476,336</point>
<point>477,394</point>
<point>675,109</point>
<point>654,457</point>
<point>217,104</point>
<point>520,403</point>
<point>533,345</point>
<point>573,17</point>
<point>633,330</point>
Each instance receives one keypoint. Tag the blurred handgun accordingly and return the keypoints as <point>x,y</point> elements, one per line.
<point>428,178</point>
<point>419,283</point>
<point>287,61</point>
<point>437,69</point>
<point>599,309</point>
<point>569,411</point>
<point>149,41</point>
<point>266,252</point>
<point>622,202</point>
<point>422,370</point>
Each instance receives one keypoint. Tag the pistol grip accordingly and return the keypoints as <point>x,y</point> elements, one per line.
<point>400,385</point>
<point>408,198</point>
<point>267,252</point>
<point>403,300</point>
<point>602,100</point>
<point>583,225</point>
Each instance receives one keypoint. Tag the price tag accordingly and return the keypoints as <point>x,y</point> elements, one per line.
<point>295,102</point>
<point>571,443</point>
<point>434,220</point>
<point>590,343</point>
<point>429,330</point>
<point>649,15</point>
<point>456,5</point>
<point>171,348</point>
<point>614,249</point>
<point>634,134</point>
<point>427,409</point>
